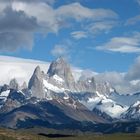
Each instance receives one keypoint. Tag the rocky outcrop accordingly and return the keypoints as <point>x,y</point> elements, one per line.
<point>62,69</point>
<point>133,112</point>
<point>13,84</point>
<point>36,83</point>
<point>87,85</point>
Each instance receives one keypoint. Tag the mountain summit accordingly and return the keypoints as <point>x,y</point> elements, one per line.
<point>36,83</point>
<point>60,68</point>
<point>55,98</point>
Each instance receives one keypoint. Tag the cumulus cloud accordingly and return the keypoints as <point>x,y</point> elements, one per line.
<point>16,34</point>
<point>21,19</point>
<point>121,84</point>
<point>60,50</point>
<point>21,69</point>
<point>133,72</point>
<point>23,22</point>
<point>85,74</point>
<point>124,83</point>
<point>64,49</point>
<point>129,44</point>
<point>51,2</point>
<point>13,41</point>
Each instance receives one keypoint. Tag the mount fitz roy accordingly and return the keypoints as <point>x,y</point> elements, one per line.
<point>54,99</point>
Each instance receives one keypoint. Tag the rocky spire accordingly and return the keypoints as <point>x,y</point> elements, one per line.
<point>105,88</point>
<point>87,85</point>
<point>14,84</point>
<point>62,69</point>
<point>24,86</point>
<point>36,83</point>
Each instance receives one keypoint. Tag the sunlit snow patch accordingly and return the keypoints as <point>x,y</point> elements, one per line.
<point>52,87</point>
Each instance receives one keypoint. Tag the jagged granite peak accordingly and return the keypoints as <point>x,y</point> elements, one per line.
<point>105,88</point>
<point>87,85</point>
<point>14,100</point>
<point>4,88</point>
<point>62,69</point>
<point>133,112</point>
<point>37,70</point>
<point>24,86</point>
<point>14,84</point>
<point>25,90</point>
<point>36,83</point>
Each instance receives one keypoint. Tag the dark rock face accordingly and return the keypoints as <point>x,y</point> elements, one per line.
<point>4,88</point>
<point>103,115</point>
<point>36,83</point>
<point>14,100</point>
<point>48,114</point>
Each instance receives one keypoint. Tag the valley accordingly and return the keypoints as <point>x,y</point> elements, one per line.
<point>31,134</point>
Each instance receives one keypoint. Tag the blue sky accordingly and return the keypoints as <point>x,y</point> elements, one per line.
<point>101,35</point>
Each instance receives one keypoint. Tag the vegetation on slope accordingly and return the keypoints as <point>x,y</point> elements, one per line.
<point>6,134</point>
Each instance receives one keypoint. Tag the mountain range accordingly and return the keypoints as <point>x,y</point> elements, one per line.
<point>56,99</point>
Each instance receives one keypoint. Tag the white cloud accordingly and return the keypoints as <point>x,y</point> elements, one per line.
<point>52,18</point>
<point>16,30</point>
<point>79,12</point>
<point>44,14</point>
<point>79,34</point>
<point>64,48</point>
<point>21,18</point>
<point>124,83</point>
<point>133,20</point>
<point>60,50</point>
<point>122,44</point>
<point>121,84</point>
<point>94,28</point>
<point>101,26</point>
<point>134,71</point>
<point>21,69</point>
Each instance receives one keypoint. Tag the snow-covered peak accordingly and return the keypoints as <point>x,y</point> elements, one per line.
<point>133,112</point>
<point>136,104</point>
<point>111,108</point>
<point>3,97</point>
<point>5,93</point>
